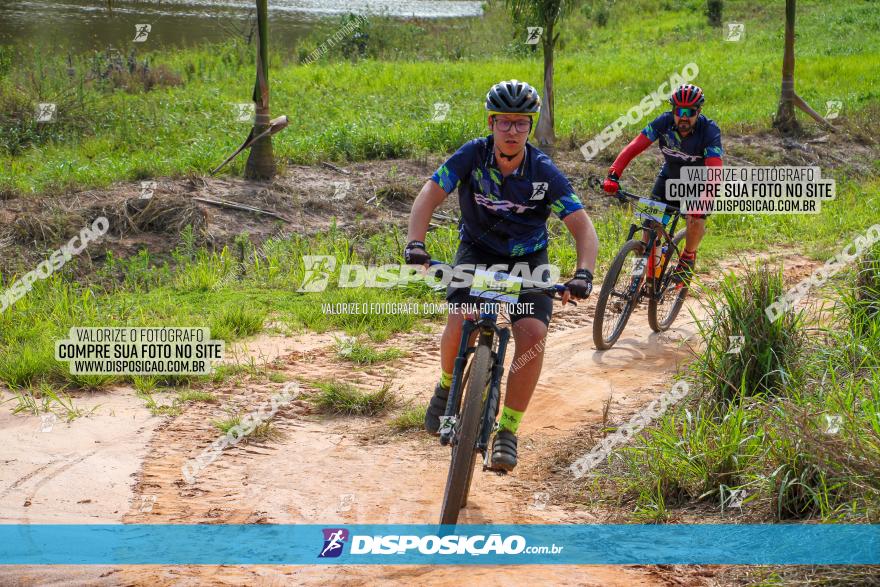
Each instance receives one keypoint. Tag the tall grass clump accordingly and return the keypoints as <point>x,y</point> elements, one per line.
<point>339,397</point>
<point>786,429</point>
<point>767,358</point>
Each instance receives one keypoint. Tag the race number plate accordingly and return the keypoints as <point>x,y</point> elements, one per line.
<point>497,286</point>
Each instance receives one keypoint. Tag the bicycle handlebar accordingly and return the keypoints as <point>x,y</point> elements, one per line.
<point>623,195</point>
<point>551,290</point>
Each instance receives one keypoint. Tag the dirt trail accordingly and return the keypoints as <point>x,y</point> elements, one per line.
<point>352,470</point>
<point>338,470</point>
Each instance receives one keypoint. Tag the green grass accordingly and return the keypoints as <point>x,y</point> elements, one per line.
<point>175,408</point>
<point>276,377</point>
<point>360,353</point>
<point>338,397</point>
<point>764,360</point>
<point>355,110</point>
<point>195,395</point>
<point>143,291</point>
<point>263,431</point>
<point>43,399</point>
<point>807,448</point>
<point>412,418</point>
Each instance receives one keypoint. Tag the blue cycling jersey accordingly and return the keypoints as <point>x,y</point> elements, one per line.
<point>692,150</point>
<point>506,215</point>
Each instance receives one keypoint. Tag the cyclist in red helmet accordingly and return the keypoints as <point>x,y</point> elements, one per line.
<point>687,138</point>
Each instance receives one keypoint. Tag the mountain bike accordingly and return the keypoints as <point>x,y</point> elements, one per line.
<point>475,392</point>
<point>640,270</point>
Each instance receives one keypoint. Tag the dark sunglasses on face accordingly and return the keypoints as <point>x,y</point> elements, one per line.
<point>686,112</point>
<point>505,125</point>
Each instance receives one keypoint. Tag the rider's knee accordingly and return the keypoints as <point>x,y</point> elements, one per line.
<point>529,331</point>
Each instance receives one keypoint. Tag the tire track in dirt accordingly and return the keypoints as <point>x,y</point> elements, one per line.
<point>345,470</point>
<point>353,470</point>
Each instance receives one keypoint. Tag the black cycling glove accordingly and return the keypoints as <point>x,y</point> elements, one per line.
<point>415,254</point>
<point>581,285</point>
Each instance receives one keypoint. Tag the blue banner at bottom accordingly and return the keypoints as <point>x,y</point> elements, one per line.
<point>142,544</point>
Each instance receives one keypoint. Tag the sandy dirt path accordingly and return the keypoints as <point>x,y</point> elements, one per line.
<point>122,465</point>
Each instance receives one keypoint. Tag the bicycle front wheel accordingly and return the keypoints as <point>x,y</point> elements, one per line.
<point>467,428</point>
<point>617,299</point>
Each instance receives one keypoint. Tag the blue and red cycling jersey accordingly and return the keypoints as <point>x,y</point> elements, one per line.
<point>506,215</point>
<point>703,142</point>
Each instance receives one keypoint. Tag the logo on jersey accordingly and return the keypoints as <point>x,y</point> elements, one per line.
<point>539,189</point>
<point>679,155</point>
<point>501,205</point>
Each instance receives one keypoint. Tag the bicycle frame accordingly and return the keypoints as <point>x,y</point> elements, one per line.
<point>488,329</point>
<point>489,333</point>
<point>656,229</point>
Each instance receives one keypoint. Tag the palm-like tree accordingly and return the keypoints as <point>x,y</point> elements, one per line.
<point>785,119</point>
<point>547,14</point>
<point>261,163</point>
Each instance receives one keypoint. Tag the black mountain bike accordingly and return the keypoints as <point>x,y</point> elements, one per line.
<point>642,269</point>
<point>474,398</point>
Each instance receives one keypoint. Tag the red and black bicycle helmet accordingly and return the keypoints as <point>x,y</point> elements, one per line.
<point>687,96</point>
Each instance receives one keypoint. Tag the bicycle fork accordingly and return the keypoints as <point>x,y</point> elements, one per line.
<point>493,401</point>
<point>453,402</point>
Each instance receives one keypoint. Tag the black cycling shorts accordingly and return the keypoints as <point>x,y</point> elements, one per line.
<point>540,304</point>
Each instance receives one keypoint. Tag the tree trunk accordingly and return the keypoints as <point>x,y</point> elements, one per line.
<point>261,163</point>
<point>715,11</point>
<point>785,119</point>
<point>545,134</point>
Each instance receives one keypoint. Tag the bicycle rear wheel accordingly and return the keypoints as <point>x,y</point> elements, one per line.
<point>467,428</point>
<point>617,298</point>
<point>667,298</point>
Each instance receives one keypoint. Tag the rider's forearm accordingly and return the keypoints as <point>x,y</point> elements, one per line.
<point>431,196</point>
<point>585,238</point>
<point>636,146</point>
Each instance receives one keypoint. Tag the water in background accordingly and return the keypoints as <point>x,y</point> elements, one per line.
<point>89,24</point>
